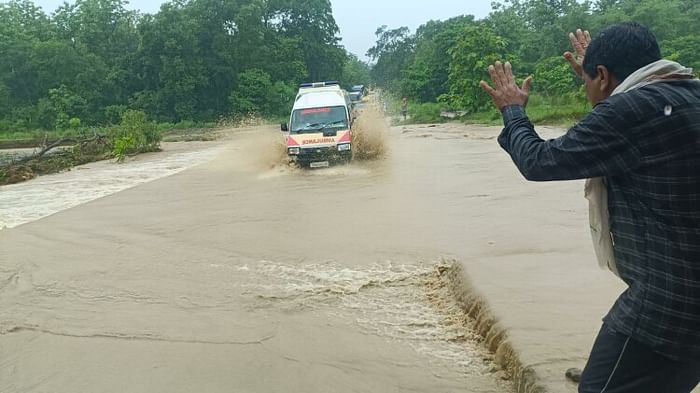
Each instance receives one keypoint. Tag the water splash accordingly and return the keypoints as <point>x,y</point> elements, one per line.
<point>409,303</point>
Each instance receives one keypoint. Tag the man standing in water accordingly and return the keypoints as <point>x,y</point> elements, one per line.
<point>641,143</point>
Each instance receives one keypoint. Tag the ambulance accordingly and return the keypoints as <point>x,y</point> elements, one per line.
<point>319,130</point>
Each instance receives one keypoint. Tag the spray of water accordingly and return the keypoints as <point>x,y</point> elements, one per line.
<point>369,134</point>
<point>263,148</point>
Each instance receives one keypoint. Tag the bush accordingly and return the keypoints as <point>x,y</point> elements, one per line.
<point>135,134</point>
<point>564,110</point>
<point>252,93</point>
<point>428,112</point>
<point>553,77</point>
<point>6,125</point>
<point>74,123</point>
<point>561,110</point>
<point>114,113</point>
<point>257,95</point>
<point>186,124</point>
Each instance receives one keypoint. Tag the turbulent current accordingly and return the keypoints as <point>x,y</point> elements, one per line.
<point>219,268</point>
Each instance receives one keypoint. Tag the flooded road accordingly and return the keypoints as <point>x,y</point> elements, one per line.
<point>46,195</point>
<point>241,275</point>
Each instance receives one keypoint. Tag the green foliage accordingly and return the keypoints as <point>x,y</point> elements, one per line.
<point>135,134</point>
<point>445,60</point>
<point>427,78</point>
<point>685,50</point>
<point>423,113</point>
<point>258,94</point>
<point>355,72</point>
<point>64,104</point>
<point>74,123</point>
<point>113,113</point>
<point>393,52</point>
<point>196,60</point>
<point>557,109</point>
<point>540,27</point>
<point>477,47</point>
<point>122,146</point>
<point>553,77</point>
<point>563,111</point>
<point>251,96</point>
<point>95,60</point>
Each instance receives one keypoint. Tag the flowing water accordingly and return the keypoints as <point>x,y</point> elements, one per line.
<point>46,195</point>
<point>244,274</point>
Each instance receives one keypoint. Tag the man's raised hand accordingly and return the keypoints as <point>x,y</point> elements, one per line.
<point>505,91</point>
<point>579,42</point>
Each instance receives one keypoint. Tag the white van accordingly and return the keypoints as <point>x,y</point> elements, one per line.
<point>319,132</point>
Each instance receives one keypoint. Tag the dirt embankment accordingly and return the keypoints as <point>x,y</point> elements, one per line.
<point>45,162</point>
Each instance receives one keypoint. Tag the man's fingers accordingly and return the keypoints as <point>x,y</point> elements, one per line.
<point>578,42</point>
<point>509,73</point>
<point>526,85</point>
<point>500,71</point>
<point>573,62</point>
<point>494,77</point>
<point>575,44</point>
<point>487,88</point>
<point>588,37</point>
<point>582,40</point>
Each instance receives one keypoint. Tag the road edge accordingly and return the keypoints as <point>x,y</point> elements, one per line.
<point>475,306</point>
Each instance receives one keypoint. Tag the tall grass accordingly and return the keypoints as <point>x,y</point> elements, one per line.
<point>428,112</point>
<point>546,110</point>
<point>563,111</point>
<point>39,135</point>
<point>53,135</point>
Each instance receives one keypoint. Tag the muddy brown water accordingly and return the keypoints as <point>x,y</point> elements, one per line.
<point>242,274</point>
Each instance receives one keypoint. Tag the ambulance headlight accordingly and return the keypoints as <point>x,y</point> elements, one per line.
<point>344,147</point>
<point>293,151</point>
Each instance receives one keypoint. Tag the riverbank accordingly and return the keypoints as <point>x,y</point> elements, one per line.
<point>20,160</point>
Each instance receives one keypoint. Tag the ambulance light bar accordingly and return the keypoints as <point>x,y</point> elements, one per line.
<point>320,84</point>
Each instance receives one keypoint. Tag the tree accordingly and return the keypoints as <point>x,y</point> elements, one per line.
<point>427,77</point>
<point>254,88</point>
<point>546,24</point>
<point>355,72</point>
<point>106,32</point>
<point>553,77</point>
<point>392,53</point>
<point>258,94</point>
<point>65,104</point>
<point>203,59</point>
<point>477,47</point>
<point>312,22</point>
<point>683,50</point>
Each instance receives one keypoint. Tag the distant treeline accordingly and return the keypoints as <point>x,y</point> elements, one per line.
<point>195,60</point>
<point>445,60</point>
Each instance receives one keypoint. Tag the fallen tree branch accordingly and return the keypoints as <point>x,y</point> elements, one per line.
<point>54,145</point>
<point>45,147</point>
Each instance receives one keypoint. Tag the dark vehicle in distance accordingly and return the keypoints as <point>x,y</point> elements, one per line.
<point>357,93</point>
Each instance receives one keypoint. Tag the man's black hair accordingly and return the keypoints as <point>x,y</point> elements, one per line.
<point>622,49</point>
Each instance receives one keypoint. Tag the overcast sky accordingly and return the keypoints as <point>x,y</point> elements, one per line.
<point>359,19</point>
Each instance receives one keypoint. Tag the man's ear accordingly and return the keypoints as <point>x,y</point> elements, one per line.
<point>608,82</point>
